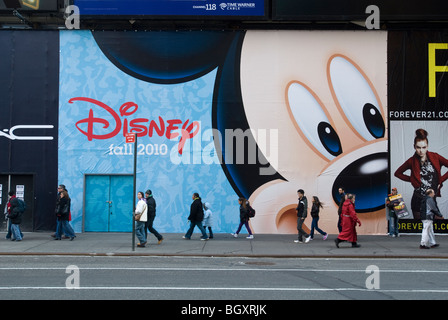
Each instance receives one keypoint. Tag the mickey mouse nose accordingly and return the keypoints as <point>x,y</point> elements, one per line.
<point>367,179</point>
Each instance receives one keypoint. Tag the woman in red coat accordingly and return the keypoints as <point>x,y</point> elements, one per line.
<point>349,221</point>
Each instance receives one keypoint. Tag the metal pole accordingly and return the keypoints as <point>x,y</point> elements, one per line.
<point>134,193</point>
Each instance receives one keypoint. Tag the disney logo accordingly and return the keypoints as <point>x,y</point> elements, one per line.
<point>141,126</point>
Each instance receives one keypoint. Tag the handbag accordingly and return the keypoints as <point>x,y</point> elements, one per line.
<point>139,215</point>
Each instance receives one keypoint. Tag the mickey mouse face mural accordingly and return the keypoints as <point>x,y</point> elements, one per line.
<point>323,92</point>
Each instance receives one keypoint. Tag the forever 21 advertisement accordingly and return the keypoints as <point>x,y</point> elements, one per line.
<point>418,114</point>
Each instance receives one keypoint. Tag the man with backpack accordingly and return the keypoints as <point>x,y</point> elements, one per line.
<point>16,208</point>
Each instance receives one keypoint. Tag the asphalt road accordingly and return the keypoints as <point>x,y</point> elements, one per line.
<point>220,279</point>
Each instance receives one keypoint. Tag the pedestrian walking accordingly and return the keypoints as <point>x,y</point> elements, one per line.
<point>196,216</point>
<point>349,221</point>
<point>315,209</point>
<point>151,211</point>
<point>244,218</point>
<point>342,198</point>
<point>302,212</point>
<point>11,197</point>
<point>427,211</point>
<point>391,214</point>
<point>8,224</point>
<point>63,215</point>
<point>141,216</point>
<point>16,209</point>
<point>61,188</point>
<point>208,219</point>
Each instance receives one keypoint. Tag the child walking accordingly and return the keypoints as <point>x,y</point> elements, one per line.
<point>208,219</point>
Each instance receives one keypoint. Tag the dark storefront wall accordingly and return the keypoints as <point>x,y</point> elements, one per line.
<point>23,185</point>
<point>29,71</point>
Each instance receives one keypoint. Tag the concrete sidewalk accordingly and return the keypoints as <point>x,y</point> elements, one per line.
<point>223,245</point>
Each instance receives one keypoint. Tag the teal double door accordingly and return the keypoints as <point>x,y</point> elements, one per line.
<point>108,203</point>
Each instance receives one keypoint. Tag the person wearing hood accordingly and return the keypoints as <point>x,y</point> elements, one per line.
<point>349,221</point>
<point>151,204</point>
<point>208,219</point>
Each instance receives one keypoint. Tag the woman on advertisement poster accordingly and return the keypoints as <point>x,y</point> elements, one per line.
<point>425,167</point>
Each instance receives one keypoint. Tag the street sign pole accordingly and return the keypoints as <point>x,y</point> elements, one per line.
<point>134,192</point>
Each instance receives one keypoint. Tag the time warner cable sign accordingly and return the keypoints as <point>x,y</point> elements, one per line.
<point>239,8</point>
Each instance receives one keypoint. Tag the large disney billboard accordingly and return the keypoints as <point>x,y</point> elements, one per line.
<point>255,114</point>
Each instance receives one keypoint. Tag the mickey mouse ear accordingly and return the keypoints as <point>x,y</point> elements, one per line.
<point>165,57</point>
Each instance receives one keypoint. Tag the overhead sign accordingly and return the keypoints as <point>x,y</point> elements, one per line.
<point>184,8</point>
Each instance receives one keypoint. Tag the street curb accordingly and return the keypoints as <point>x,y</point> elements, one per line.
<point>196,255</point>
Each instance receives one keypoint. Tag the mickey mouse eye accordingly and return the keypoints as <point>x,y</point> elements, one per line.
<point>356,98</point>
<point>312,120</point>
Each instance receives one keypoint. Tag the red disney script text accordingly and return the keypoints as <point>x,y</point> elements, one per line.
<point>141,126</point>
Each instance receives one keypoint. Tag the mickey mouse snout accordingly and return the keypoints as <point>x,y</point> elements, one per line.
<point>367,179</point>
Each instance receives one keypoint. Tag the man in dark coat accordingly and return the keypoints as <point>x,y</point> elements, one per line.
<point>151,205</point>
<point>196,216</point>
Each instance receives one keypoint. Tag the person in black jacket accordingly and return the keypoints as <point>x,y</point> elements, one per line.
<point>62,214</point>
<point>151,205</point>
<point>244,218</point>
<point>342,199</point>
<point>61,188</point>
<point>302,212</point>
<point>315,209</point>
<point>196,216</point>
